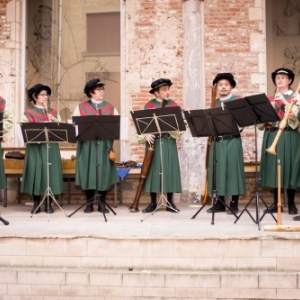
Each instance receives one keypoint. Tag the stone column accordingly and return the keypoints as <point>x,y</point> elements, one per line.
<point>193,150</point>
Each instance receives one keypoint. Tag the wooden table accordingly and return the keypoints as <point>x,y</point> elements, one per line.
<point>14,169</point>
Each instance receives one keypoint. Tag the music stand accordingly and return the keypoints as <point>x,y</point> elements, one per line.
<point>96,128</point>
<point>48,133</point>
<point>247,111</point>
<point>159,121</point>
<point>212,122</point>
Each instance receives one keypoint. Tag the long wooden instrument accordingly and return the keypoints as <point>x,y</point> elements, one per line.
<point>282,125</point>
<point>279,226</point>
<point>49,117</point>
<point>209,140</point>
<point>279,203</point>
<point>134,208</point>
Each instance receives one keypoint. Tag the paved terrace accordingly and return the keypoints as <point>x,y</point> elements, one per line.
<point>124,224</point>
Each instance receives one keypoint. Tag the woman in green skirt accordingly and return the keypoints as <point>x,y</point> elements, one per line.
<point>87,152</point>
<point>7,125</point>
<point>34,180</point>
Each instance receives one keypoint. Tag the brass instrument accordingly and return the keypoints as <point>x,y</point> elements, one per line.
<point>282,125</point>
<point>144,172</point>
<point>209,140</point>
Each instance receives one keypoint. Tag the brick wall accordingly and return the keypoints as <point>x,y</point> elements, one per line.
<point>227,36</point>
<point>4,26</point>
<point>154,40</point>
<point>155,49</point>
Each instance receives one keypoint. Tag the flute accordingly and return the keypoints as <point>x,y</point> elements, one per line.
<point>49,117</point>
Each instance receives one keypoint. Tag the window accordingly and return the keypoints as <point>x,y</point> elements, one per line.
<point>283,37</point>
<point>103,33</point>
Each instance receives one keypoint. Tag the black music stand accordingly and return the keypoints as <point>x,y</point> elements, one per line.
<point>158,121</point>
<point>1,139</point>
<point>212,122</point>
<point>248,111</point>
<point>48,133</point>
<point>96,128</point>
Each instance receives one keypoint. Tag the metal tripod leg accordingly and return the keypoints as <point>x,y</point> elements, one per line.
<point>48,194</point>
<point>4,221</point>
<point>161,202</point>
<point>102,204</point>
<point>97,199</point>
<point>258,219</point>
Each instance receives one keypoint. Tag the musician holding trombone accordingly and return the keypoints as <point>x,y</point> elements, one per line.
<point>34,180</point>
<point>288,146</point>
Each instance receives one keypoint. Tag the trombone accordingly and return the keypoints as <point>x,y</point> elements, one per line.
<point>282,125</point>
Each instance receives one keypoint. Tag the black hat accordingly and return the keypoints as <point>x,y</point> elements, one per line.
<point>90,84</point>
<point>155,85</point>
<point>227,76</point>
<point>36,89</point>
<point>285,71</point>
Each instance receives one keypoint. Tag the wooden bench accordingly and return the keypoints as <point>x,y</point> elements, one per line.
<point>14,169</point>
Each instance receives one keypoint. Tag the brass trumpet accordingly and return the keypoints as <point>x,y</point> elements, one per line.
<point>282,125</point>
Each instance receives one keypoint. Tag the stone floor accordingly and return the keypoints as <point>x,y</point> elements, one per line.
<point>125,224</point>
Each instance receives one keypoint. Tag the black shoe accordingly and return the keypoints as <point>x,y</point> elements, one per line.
<point>234,208</point>
<point>49,209</point>
<point>150,208</point>
<point>297,218</point>
<point>35,205</point>
<point>89,208</point>
<point>106,211</point>
<point>219,207</point>
<point>293,209</point>
<point>272,208</point>
<point>172,208</point>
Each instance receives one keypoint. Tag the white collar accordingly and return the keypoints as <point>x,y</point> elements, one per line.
<point>95,102</point>
<point>289,93</point>
<point>225,98</point>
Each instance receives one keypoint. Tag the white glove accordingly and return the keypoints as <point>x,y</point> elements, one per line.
<point>150,138</point>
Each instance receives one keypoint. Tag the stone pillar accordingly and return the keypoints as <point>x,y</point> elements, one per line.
<point>193,150</point>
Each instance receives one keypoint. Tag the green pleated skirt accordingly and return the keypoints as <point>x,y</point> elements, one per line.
<point>2,172</point>
<point>229,169</point>
<point>86,171</point>
<point>35,179</point>
<point>288,153</point>
<point>164,172</point>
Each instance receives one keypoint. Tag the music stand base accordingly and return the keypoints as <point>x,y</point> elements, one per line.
<point>48,194</point>
<point>214,198</point>
<point>4,221</point>
<point>98,200</point>
<point>257,221</point>
<point>162,201</point>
